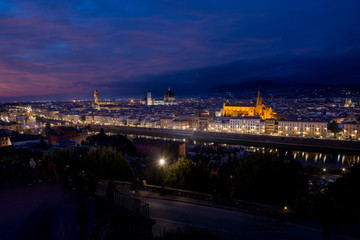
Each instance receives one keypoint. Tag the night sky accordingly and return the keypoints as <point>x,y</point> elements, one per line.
<point>67,48</point>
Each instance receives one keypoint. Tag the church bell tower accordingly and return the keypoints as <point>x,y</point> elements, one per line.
<point>258,99</point>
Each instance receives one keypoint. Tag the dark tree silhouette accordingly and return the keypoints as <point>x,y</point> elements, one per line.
<point>263,178</point>
<point>334,128</point>
<point>344,198</point>
<point>185,174</point>
<point>102,134</point>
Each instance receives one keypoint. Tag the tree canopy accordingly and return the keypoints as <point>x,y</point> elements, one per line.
<point>104,162</point>
<point>185,174</point>
<point>344,197</point>
<point>334,128</point>
<point>119,141</point>
<point>108,163</point>
<point>263,178</point>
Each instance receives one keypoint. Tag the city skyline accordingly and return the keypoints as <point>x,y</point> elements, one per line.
<point>65,49</point>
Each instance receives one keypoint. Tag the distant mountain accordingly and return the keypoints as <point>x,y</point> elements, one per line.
<point>249,85</point>
<point>281,89</point>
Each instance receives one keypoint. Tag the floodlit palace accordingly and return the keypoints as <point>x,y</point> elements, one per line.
<point>259,110</point>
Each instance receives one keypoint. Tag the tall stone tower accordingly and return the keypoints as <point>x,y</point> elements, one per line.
<point>258,99</point>
<point>149,99</point>
<point>96,97</point>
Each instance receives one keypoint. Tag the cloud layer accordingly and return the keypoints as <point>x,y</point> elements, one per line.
<point>67,48</point>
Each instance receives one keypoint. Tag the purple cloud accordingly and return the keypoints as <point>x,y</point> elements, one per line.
<point>71,46</point>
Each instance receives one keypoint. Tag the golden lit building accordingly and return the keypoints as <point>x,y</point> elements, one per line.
<point>96,97</point>
<point>259,110</point>
<point>96,100</point>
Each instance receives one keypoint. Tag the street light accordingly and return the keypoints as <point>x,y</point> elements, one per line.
<point>162,163</point>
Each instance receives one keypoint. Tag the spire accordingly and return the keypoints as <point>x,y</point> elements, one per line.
<point>258,99</point>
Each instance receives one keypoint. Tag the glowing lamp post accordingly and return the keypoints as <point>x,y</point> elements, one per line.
<point>162,164</point>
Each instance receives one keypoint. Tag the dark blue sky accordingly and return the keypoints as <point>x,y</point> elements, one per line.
<point>67,48</point>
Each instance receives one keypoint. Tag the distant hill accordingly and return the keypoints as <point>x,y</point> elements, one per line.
<point>281,89</point>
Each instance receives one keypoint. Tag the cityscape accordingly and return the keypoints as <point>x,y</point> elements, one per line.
<point>317,118</point>
<point>168,120</point>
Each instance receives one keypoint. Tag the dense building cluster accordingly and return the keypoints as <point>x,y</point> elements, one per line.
<point>294,117</point>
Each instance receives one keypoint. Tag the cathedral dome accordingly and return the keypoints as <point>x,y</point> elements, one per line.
<point>169,94</point>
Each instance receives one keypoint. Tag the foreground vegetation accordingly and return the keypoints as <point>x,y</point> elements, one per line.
<point>260,177</point>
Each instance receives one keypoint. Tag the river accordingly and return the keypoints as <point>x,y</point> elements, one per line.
<point>322,159</point>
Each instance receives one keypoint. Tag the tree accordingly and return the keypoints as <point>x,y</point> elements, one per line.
<point>102,134</point>
<point>106,162</point>
<point>263,178</point>
<point>119,141</point>
<point>42,144</point>
<point>61,157</point>
<point>343,196</point>
<point>334,128</point>
<point>178,174</point>
<point>185,174</point>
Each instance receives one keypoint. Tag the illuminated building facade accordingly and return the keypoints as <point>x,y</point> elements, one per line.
<point>169,99</point>
<point>250,125</point>
<point>303,128</point>
<point>259,110</point>
<point>4,138</point>
<point>133,121</point>
<point>218,126</point>
<point>166,122</point>
<point>180,124</point>
<point>62,134</point>
<point>271,126</point>
<point>149,100</point>
<point>351,130</point>
<point>12,126</point>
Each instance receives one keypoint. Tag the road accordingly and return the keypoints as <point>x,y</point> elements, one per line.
<point>45,211</point>
<point>233,224</point>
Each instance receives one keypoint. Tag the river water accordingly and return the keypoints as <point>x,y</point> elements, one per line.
<point>323,159</point>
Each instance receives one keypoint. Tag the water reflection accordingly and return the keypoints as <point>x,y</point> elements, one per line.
<point>340,159</point>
